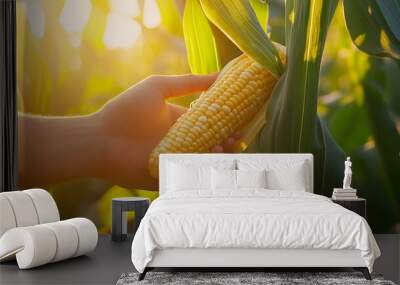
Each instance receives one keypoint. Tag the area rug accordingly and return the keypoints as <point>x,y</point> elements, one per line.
<point>244,278</point>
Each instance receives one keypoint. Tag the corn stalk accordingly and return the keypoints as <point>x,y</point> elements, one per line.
<point>292,121</point>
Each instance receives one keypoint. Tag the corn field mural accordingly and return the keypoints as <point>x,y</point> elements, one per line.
<point>312,76</point>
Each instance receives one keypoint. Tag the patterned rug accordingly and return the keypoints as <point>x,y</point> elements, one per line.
<point>243,278</point>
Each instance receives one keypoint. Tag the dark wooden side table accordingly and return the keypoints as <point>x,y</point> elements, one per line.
<point>357,205</point>
<point>120,207</point>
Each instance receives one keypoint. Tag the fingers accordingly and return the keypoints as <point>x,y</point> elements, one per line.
<point>237,136</point>
<point>180,85</point>
<point>217,149</point>
<point>229,145</point>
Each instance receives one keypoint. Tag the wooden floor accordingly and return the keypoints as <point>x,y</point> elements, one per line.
<point>110,260</point>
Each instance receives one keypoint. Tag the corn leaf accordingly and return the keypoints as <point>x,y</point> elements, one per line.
<point>374,26</point>
<point>292,122</point>
<point>226,49</point>
<point>393,85</point>
<point>238,21</point>
<point>199,40</point>
<point>391,11</point>
<point>370,181</point>
<point>261,8</point>
<point>289,19</point>
<point>276,21</point>
<point>346,135</point>
<point>383,127</point>
<point>170,17</point>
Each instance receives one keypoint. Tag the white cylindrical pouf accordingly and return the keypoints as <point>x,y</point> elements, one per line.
<point>45,205</point>
<point>7,218</point>
<point>23,208</point>
<point>87,234</point>
<point>30,230</point>
<point>67,239</point>
<point>34,246</point>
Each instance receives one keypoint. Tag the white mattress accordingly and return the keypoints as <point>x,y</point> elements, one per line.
<point>250,219</point>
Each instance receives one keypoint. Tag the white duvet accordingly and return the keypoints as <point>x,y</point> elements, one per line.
<point>250,219</point>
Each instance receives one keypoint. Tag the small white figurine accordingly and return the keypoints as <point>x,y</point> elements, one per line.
<point>347,174</point>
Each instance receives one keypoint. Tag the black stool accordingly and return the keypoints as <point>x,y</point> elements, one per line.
<point>120,207</point>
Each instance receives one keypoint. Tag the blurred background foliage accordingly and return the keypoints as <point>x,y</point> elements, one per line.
<point>74,55</point>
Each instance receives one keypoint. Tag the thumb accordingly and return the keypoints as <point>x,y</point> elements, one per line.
<point>180,85</point>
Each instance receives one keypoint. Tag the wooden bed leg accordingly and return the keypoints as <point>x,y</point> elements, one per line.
<point>364,271</point>
<point>143,274</point>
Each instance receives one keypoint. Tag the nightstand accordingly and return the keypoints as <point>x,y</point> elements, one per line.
<point>120,207</point>
<point>357,205</point>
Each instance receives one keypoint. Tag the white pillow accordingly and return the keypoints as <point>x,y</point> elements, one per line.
<point>290,179</point>
<point>223,179</point>
<point>181,178</point>
<point>251,178</point>
<point>282,174</point>
<point>199,161</point>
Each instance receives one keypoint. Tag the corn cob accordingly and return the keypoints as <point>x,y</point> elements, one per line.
<point>240,90</point>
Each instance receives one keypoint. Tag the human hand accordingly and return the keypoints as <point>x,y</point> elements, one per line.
<point>134,122</point>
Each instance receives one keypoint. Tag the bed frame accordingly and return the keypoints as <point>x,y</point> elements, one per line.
<point>246,258</point>
<point>249,259</point>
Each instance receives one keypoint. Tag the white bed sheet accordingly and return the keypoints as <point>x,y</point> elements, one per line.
<point>252,218</point>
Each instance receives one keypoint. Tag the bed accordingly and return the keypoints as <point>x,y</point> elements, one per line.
<point>246,211</point>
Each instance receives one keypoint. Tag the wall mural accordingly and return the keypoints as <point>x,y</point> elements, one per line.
<point>104,86</point>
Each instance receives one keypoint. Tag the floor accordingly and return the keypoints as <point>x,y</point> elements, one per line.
<point>389,262</point>
<point>110,260</point>
<point>103,266</point>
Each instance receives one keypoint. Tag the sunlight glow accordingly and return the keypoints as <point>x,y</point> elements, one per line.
<point>75,39</point>
<point>385,41</point>
<point>151,14</point>
<point>75,62</point>
<point>369,10</point>
<point>75,15</point>
<point>36,18</point>
<point>313,27</point>
<point>291,17</point>
<point>359,40</point>
<point>121,31</point>
<point>126,7</point>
